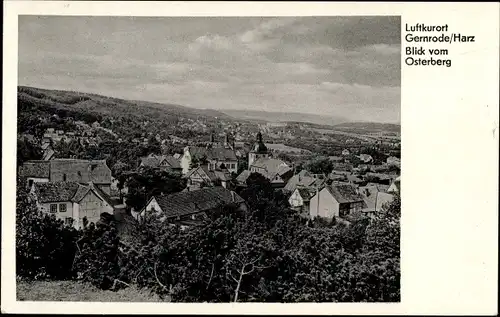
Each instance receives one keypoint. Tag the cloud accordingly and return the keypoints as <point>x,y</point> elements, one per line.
<point>328,65</point>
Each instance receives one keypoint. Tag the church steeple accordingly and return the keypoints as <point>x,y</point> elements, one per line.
<point>259,150</point>
<point>259,137</point>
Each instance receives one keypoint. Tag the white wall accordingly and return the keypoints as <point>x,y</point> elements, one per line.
<point>91,206</point>
<point>295,199</point>
<point>185,161</point>
<point>327,207</point>
<point>45,207</point>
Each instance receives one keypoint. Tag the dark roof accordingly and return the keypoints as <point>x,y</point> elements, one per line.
<point>68,191</point>
<point>344,193</point>
<point>269,167</point>
<point>304,178</point>
<point>242,178</point>
<point>39,169</point>
<point>202,170</point>
<point>189,202</point>
<point>305,193</point>
<point>69,170</point>
<point>259,146</point>
<point>112,202</point>
<point>156,161</point>
<point>56,192</point>
<point>80,193</point>
<point>172,161</point>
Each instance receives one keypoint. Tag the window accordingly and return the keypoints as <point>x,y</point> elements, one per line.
<point>64,177</point>
<point>30,182</point>
<point>53,208</point>
<point>62,207</point>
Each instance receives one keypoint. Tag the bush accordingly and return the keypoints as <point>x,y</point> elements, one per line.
<point>45,247</point>
<point>266,254</point>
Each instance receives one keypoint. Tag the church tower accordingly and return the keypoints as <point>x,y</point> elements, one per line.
<point>259,150</point>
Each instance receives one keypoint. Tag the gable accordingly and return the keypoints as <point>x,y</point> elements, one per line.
<point>90,196</point>
<point>326,194</point>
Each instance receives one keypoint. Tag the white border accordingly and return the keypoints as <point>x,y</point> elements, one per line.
<point>450,160</point>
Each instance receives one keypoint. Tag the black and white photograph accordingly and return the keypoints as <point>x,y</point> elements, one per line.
<point>208,159</point>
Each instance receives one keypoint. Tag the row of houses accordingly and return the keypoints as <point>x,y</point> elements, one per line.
<point>72,189</point>
<point>317,198</point>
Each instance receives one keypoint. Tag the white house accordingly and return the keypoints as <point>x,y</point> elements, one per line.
<point>395,187</point>
<point>300,198</point>
<point>336,201</point>
<point>216,157</point>
<point>71,201</point>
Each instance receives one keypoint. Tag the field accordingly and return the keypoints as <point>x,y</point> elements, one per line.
<point>285,148</point>
<point>78,292</point>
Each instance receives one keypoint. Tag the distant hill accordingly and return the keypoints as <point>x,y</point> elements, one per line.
<point>267,116</point>
<point>368,127</point>
<point>107,105</point>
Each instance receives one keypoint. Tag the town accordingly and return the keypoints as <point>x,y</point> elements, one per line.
<point>93,183</point>
<point>208,159</point>
<point>352,182</point>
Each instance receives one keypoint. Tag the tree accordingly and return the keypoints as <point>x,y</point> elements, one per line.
<point>45,246</point>
<point>150,182</point>
<point>27,151</point>
<point>319,165</point>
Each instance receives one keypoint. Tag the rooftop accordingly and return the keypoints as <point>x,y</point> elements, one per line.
<point>190,202</point>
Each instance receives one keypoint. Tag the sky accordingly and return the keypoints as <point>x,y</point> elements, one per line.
<point>348,67</point>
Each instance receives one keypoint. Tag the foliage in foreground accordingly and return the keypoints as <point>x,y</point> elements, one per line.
<point>267,254</point>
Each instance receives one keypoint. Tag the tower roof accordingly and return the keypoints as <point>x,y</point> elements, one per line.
<point>259,146</point>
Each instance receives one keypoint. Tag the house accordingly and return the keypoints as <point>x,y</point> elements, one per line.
<point>277,171</point>
<point>395,186</point>
<point>336,201</point>
<point>392,160</point>
<point>190,207</point>
<point>72,201</point>
<point>215,157</point>
<point>365,158</point>
<point>48,154</point>
<point>305,179</point>
<point>380,178</point>
<point>300,198</point>
<point>336,158</point>
<point>175,140</point>
<point>375,197</point>
<point>162,162</point>
<point>68,170</point>
<point>202,176</point>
